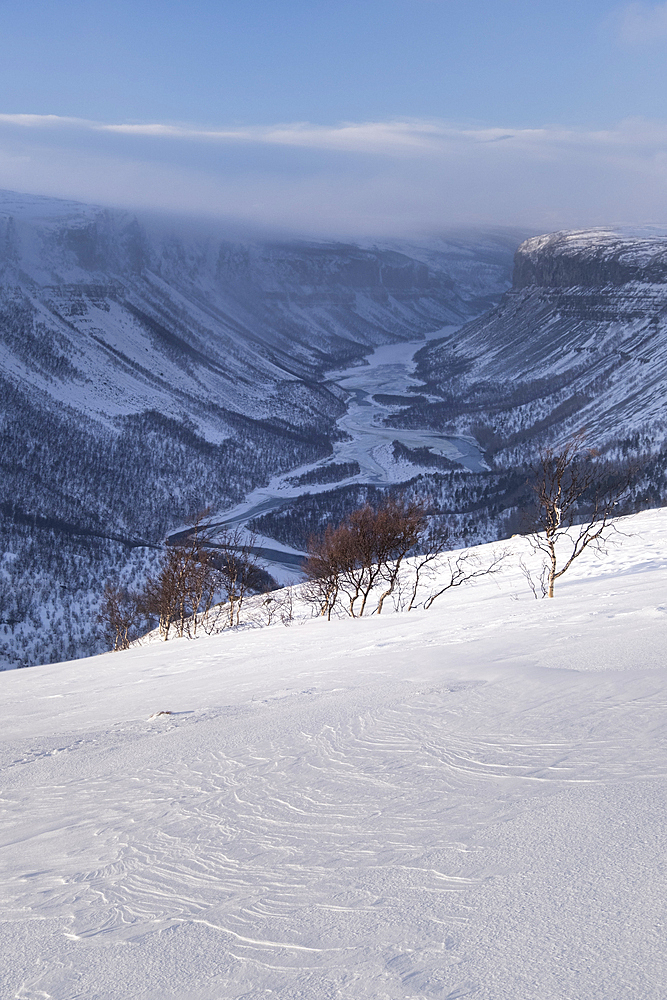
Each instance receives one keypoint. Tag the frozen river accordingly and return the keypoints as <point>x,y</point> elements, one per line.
<point>388,370</point>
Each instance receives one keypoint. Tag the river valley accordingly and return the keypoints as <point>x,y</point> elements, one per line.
<point>368,444</point>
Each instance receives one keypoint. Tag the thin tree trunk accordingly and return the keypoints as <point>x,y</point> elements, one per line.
<point>552,569</point>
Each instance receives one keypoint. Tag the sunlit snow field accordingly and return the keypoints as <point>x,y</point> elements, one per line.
<point>468,801</point>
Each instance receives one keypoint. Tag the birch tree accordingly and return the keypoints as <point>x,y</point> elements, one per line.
<point>576,496</point>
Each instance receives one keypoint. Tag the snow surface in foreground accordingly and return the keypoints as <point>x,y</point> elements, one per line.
<point>465,801</point>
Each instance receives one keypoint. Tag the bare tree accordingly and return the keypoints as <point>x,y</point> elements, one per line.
<point>435,571</point>
<point>576,496</point>
<point>237,573</point>
<point>323,570</point>
<point>349,564</point>
<point>121,616</point>
<point>354,568</point>
<point>202,583</point>
<point>184,589</point>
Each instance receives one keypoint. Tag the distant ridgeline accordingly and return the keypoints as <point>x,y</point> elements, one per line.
<point>149,370</point>
<point>577,345</point>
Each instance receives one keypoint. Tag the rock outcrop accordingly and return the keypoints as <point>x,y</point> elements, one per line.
<point>578,343</point>
<point>591,259</point>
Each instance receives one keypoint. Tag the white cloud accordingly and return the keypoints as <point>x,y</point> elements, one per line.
<point>643,23</point>
<point>364,137</point>
<point>385,138</point>
<point>351,178</point>
<point>44,121</point>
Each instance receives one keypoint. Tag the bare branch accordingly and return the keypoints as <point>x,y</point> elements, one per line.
<point>576,496</point>
<point>121,616</point>
<point>348,564</point>
<point>462,569</point>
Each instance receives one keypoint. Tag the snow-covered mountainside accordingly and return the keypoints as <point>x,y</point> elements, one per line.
<point>152,368</point>
<point>580,341</point>
<point>112,318</point>
<point>466,801</point>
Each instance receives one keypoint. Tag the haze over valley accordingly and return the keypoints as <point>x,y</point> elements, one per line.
<point>152,370</point>
<point>156,368</point>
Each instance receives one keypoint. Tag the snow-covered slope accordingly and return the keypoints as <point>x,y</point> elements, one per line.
<point>113,317</point>
<point>150,368</point>
<point>579,342</point>
<point>462,802</point>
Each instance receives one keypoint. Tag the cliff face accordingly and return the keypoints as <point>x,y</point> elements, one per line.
<point>591,259</point>
<point>578,343</point>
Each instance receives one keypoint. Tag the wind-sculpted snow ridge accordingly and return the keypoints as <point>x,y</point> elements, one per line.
<point>580,342</point>
<point>463,802</point>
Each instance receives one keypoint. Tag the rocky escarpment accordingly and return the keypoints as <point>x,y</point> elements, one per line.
<point>591,259</point>
<point>578,344</point>
<point>173,316</point>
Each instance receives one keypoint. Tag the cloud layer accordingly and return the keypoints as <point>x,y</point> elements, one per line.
<point>352,178</point>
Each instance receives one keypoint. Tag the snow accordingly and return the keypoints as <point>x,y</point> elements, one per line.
<point>465,801</point>
<point>390,370</point>
<point>644,242</point>
<point>387,369</point>
<point>251,318</point>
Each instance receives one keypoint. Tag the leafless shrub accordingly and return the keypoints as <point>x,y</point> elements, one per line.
<point>538,583</point>
<point>182,593</point>
<point>203,581</point>
<point>287,606</point>
<point>434,572</point>
<point>269,609</point>
<point>121,616</point>
<point>234,562</point>
<point>355,568</point>
<point>349,563</point>
<point>576,496</point>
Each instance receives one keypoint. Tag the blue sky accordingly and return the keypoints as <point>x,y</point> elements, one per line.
<point>371,117</point>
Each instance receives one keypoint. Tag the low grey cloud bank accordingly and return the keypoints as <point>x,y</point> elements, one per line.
<point>348,179</point>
